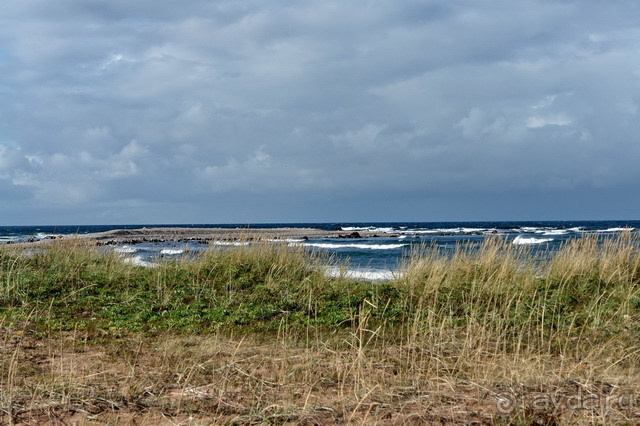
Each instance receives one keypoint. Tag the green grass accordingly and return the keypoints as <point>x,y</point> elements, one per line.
<point>587,287</point>
<point>76,286</point>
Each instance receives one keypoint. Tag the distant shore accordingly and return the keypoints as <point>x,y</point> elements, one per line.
<point>178,234</point>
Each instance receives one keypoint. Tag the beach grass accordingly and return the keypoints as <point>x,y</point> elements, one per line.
<point>260,333</point>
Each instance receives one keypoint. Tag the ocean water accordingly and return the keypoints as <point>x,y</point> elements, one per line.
<point>369,258</point>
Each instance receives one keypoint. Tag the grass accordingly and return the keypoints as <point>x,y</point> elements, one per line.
<point>259,334</point>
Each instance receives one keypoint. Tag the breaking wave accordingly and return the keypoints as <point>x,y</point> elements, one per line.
<point>172,251</point>
<point>362,274</point>
<point>616,229</point>
<point>520,240</point>
<point>357,246</point>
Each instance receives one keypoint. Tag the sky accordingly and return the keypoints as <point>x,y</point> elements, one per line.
<point>255,111</point>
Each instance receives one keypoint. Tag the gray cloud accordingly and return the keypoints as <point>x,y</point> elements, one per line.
<point>234,111</point>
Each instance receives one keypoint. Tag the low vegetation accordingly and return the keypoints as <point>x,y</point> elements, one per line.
<point>260,334</point>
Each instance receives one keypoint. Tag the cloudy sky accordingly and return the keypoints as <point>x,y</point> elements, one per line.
<point>236,111</point>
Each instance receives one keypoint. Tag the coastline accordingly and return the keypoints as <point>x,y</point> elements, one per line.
<point>204,235</point>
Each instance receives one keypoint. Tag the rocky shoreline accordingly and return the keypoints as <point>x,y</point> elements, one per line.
<point>204,235</point>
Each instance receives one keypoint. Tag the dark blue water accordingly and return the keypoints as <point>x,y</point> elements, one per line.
<point>371,257</point>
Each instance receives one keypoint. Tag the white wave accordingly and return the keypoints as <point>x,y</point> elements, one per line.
<point>576,229</point>
<point>359,246</point>
<point>444,231</point>
<point>556,232</point>
<point>43,236</point>
<point>171,251</point>
<point>470,230</point>
<point>419,231</point>
<point>363,274</point>
<point>286,240</point>
<point>615,229</point>
<point>8,239</point>
<point>138,261</point>
<point>520,240</point>
<point>386,230</point>
<point>230,243</point>
<point>125,249</point>
<point>531,229</point>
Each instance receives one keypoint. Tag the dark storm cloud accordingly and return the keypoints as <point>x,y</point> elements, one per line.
<point>207,111</point>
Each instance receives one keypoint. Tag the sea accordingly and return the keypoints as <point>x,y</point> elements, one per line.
<point>376,258</point>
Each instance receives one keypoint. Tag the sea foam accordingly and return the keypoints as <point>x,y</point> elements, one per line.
<point>386,230</point>
<point>520,240</point>
<point>171,251</point>
<point>357,246</point>
<point>43,236</point>
<point>555,232</point>
<point>615,229</point>
<point>460,231</point>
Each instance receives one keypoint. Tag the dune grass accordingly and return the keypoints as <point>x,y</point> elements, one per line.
<point>260,334</point>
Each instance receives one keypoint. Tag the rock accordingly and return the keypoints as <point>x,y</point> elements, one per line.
<point>354,234</point>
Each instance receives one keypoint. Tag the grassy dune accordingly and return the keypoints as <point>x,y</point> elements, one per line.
<point>259,334</point>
